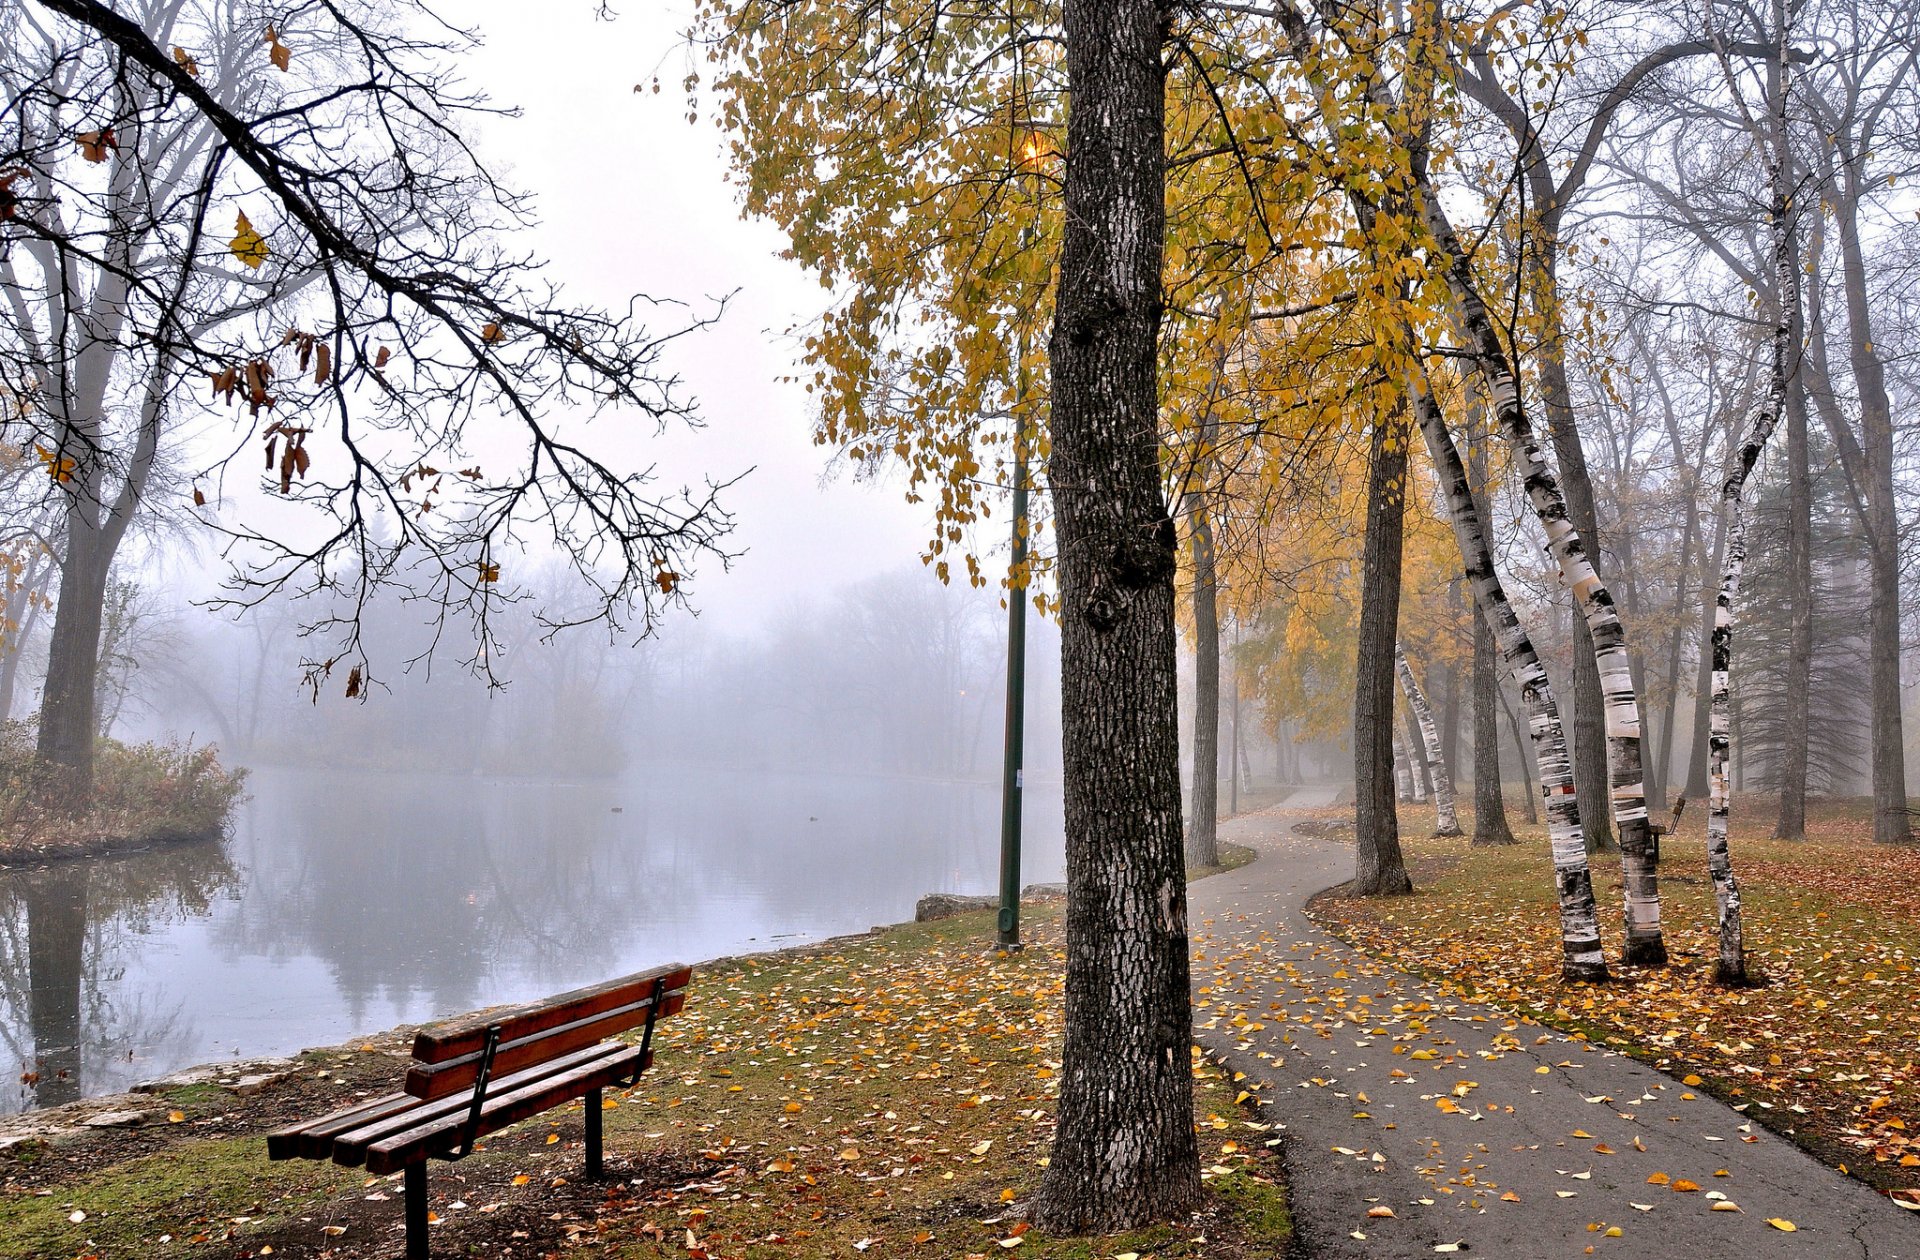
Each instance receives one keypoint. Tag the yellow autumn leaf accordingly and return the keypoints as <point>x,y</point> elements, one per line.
<point>1782,1224</point>
<point>248,245</point>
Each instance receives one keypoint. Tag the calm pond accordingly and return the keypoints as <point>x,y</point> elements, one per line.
<point>346,904</point>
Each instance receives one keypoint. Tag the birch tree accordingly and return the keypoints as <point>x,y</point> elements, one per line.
<point>1446,821</point>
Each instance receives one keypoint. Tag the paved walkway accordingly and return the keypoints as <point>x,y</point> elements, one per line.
<point>1481,1134</point>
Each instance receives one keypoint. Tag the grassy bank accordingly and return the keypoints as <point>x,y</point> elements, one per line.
<point>1828,1052</point>
<point>143,794</point>
<point>891,1095</point>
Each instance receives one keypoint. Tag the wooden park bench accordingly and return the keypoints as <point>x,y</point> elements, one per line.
<point>477,1075</point>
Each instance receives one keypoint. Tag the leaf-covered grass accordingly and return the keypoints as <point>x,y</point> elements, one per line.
<point>1827,1051</point>
<point>141,793</point>
<point>890,1095</point>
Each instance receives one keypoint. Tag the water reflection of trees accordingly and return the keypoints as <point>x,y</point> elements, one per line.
<point>69,933</point>
<point>434,894</point>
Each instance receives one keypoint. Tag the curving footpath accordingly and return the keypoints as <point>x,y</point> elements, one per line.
<point>1481,1134</point>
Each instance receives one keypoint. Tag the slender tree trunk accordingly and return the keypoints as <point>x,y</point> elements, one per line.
<point>1402,772</point>
<point>1124,1152</point>
<point>1526,767</point>
<point>1450,693</point>
<point>1791,824</point>
<point>1645,944</point>
<point>1203,846</point>
<point>1379,868</point>
<point>1579,923</point>
<point>1446,821</point>
<point>1731,967</point>
<point>1490,825</point>
<point>1590,774</point>
<point>1790,395</point>
<point>23,614</point>
<point>1417,775</point>
<point>1697,748</point>
<point>1891,821</point>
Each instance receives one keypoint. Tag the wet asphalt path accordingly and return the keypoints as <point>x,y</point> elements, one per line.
<point>1483,1135</point>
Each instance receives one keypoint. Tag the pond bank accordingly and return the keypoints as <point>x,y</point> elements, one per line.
<point>891,1088</point>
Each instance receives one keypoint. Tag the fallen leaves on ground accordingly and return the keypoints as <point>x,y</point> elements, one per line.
<point>1828,1052</point>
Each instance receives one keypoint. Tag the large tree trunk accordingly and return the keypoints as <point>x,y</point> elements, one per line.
<point>1124,1152</point>
<point>1203,846</point>
<point>1581,958</point>
<point>1379,867</point>
<point>1446,822</point>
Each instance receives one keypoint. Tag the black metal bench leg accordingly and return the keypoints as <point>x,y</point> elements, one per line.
<point>593,1132</point>
<point>417,1211</point>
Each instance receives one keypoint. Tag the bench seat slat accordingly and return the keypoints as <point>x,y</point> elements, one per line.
<point>441,1079</point>
<point>454,1038</point>
<point>314,1138</point>
<point>500,1110</point>
<point>349,1146</point>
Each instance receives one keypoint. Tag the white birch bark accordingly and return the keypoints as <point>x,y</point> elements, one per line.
<point>1446,820</point>
<point>1731,966</point>
<point>1405,782</point>
<point>1581,956</point>
<point>1644,944</point>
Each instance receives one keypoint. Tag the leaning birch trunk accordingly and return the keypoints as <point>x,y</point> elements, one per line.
<point>1580,933</point>
<point>1581,958</point>
<point>1644,943</point>
<point>1446,822</point>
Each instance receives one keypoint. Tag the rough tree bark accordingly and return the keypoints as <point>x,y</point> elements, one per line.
<point>1446,821</point>
<point>1402,772</point>
<point>1581,958</point>
<point>1379,867</point>
<point>1124,1150</point>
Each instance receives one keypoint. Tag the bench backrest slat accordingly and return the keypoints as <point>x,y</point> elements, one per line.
<point>539,1038</point>
<point>454,1039</point>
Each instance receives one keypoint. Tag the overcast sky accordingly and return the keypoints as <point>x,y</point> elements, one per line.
<point>634,198</point>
